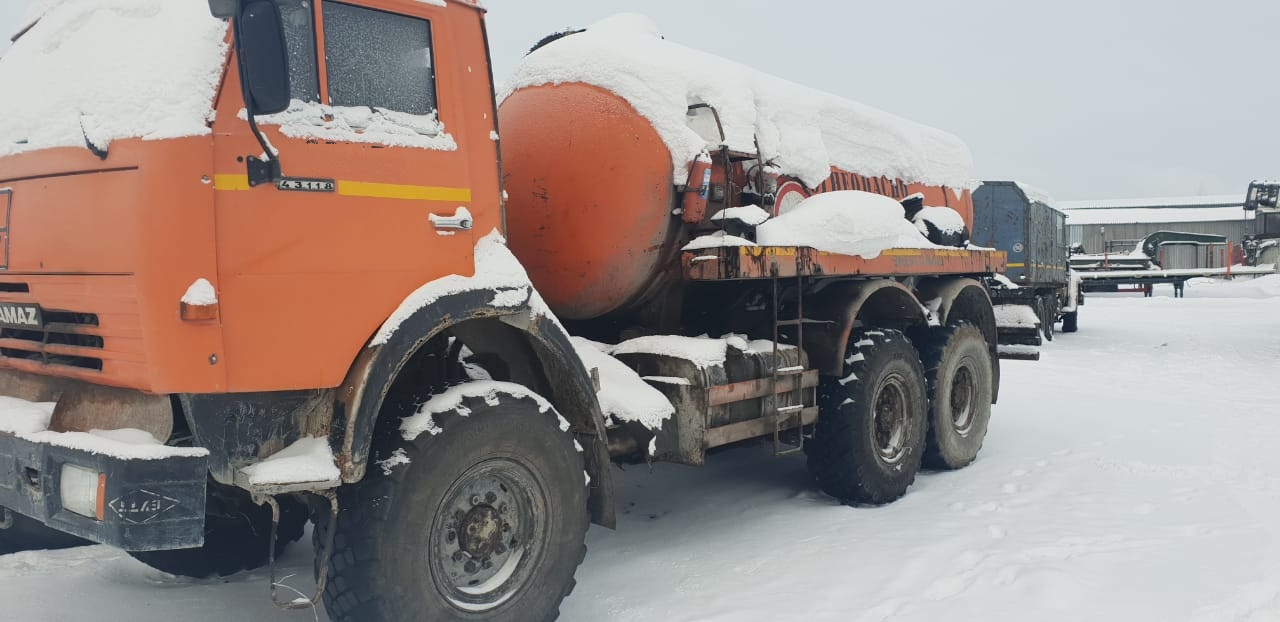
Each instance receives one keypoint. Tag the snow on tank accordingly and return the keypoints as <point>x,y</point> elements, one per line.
<point>803,131</point>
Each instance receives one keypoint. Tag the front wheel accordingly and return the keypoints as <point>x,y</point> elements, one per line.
<point>483,517</point>
<point>869,439</point>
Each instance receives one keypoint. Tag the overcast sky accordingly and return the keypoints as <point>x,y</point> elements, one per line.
<point>1084,98</point>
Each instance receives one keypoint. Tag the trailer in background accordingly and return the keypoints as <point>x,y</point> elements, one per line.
<point>1022,221</point>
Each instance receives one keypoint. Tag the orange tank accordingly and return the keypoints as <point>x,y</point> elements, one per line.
<point>590,197</point>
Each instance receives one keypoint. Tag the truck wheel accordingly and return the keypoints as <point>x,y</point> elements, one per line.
<point>957,363</point>
<point>487,520</point>
<point>1070,321</point>
<point>29,534</point>
<point>1044,309</point>
<point>869,439</point>
<point>236,533</point>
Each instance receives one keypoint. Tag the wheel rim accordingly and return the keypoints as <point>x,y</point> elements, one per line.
<point>963,399</point>
<point>889,428</point>
<point>488,535</point>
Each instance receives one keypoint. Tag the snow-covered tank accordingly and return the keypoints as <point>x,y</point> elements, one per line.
<point>620,146</point>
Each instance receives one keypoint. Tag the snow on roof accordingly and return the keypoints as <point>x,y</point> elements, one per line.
<point>849,222</point>
<point>801,130</point>
<point>1213,200</point>
<point>1155,215</point>
<point>1036,194</point>
<point>102,70</point>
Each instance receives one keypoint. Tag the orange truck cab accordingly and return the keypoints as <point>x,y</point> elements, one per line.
<point>165,270</point>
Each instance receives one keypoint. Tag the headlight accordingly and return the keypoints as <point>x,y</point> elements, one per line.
<point>82,491</point>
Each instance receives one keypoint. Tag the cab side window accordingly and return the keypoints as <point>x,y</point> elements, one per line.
<point>378,59</point>
<point>300,41</point>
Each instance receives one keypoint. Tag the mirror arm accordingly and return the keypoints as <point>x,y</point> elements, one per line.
<point>259,171</point>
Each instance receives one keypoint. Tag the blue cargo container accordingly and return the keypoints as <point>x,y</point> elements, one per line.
<point>1020,221</point>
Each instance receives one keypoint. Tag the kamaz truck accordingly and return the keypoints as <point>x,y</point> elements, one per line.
<point>256,273</point>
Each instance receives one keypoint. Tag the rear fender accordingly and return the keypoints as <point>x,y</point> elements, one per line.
<point>963,299</point>
<point>842,306</point>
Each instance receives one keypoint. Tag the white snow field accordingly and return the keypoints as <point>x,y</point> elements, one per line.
<point>1131,474</point>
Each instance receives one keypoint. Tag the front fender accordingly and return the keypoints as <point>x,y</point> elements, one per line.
<point>362,394</point>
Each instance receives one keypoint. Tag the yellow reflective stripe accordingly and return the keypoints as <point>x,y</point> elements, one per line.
<point>397,191</point>
<point>230,182</point>
<point>902,252</point>
<point>366,189</point>
<point>1016,265</point>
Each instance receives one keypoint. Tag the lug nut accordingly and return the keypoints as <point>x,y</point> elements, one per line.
<point>499,549</point>
<point>457,556</point>
<point>502,509</point>
<point>470,567</point>
<point>506,526</point>
<point>450,537</point>
<point>459,515</point>
<point>487,564</point>
<point>475,499</point>
<point>490,497</point>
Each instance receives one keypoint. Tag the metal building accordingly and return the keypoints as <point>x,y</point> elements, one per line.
<point>1116,225</point>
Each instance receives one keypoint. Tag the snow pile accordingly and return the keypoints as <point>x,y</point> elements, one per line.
<point>307,120</point>
<point>849,222</point>
<point>30,421</point>
<point>1016,316</point>
<point>495,269</point>
<point>308,459</point>
<point>801,130</point>
<point>19,416</point>
<point>716,240</point>
<point>451,401</point>
<point>200,294</point>
<point>103,70</point>
<point>126,444</point>
<point>944,219</point>
<point>750,215</point>
<point>623,395</point>
<point>1261,287</point>
<point>701,351</point>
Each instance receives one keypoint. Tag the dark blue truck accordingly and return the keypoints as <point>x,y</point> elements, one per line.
<point>1021,221</point>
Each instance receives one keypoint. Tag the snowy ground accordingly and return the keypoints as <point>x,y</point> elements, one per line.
<point>1132,474</point>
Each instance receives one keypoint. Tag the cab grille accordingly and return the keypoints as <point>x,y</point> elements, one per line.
<point>63,341</point>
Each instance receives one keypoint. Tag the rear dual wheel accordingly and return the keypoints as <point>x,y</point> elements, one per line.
<point>869,439</point>
<point>957,363</point>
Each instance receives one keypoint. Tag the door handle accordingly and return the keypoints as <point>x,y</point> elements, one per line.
<point>461,220</point>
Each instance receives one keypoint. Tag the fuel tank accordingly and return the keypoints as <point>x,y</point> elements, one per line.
<point>590,197</point>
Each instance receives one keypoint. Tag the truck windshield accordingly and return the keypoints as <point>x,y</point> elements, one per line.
<point>94,71</point>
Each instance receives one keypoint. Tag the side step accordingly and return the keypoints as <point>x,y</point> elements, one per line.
<point>1018,352</point>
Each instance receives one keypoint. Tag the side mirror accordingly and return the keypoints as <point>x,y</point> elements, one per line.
<point>222,9</point>
<point>264,59</point>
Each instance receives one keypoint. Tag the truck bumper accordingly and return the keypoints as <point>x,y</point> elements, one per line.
<point>131,503</point>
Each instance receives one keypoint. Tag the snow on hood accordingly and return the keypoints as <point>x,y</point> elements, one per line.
<point>801,130</point>
<point>850,222</point>
<point>103,70</point>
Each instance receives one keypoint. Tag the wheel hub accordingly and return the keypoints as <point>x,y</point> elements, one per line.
<point>488,535</point>
<point>480,533</point>
<point>890,429</point>
<point>963,398</point>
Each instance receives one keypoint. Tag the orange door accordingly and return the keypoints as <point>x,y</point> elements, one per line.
<point>374,199</point>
